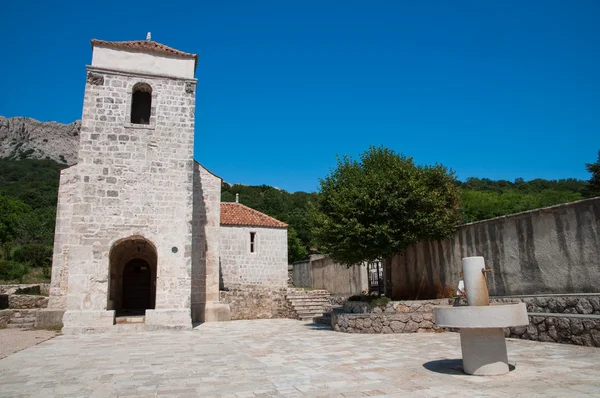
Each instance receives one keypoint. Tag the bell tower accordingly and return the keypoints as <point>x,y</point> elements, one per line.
<point>123,243</point>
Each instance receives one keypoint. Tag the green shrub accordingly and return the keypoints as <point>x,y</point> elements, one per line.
<point>13,270</point>
<point>36,255</point>
<point>374,301</point>
<point>379,302</point>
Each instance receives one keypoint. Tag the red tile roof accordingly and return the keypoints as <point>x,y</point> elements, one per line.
<point>145,46</point>
<point>237,214</point>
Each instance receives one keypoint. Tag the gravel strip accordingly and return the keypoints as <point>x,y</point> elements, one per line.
<point>13,340</point>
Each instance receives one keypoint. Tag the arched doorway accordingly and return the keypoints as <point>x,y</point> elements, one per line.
<point>132,284</point>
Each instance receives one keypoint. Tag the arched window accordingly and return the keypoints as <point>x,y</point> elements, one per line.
<point>141,103</point>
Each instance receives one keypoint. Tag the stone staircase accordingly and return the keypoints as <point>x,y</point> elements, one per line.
<point>22,319</point>
<point>309,304</point>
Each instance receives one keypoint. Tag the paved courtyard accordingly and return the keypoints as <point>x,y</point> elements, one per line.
<point>286,358</point>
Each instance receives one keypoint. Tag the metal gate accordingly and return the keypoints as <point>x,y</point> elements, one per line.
<point>375,270</point>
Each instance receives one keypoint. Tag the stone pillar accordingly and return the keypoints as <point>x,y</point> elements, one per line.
<point>206,225</point>
<point>484,351</point>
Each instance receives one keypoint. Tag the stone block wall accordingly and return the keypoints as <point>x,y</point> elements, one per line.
<point>569,319</point>
<point>395,317</point>
<point>383,323</point>
<point>266,266</point>
<point>5,317</point>
<point>557,304</point>
<point>402,307</point>
<point>257,303</point>
<point>18,318</point>
<point>568,329</point>
<point>26,301</point>
<point>35,288</point>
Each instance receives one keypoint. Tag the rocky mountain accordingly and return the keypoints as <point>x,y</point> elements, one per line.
<point>26,138</point>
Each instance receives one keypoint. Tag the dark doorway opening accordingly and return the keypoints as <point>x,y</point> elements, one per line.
<point>132,283</point>
<point>137,287</point>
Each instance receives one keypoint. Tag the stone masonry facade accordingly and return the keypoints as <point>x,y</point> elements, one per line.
<point>266,266</point>
<point>255,302</point>
<point>131,181</point>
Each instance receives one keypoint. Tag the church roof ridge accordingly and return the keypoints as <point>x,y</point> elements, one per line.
<point>233,213</point>
<point>147,46</point>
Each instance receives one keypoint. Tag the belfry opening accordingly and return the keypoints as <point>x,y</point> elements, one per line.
<point>132,283</point>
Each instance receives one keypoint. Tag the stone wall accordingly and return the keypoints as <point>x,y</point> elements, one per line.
<point>395,317</point>
<point>5,317</point>
<point>25,301</point>
<point>569,329</point>
<point>400,307</point>
<point>266,266</point>
<point>257,303</point>
<point>570,319</point>
<point>585,304</point>
<point>321,272</point>
<point>383,323</point>
<point>544,251</point>
<point>18,318</point>
<point>32,288</point>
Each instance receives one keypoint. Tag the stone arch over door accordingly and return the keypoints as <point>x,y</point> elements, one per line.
<point>132,276</point>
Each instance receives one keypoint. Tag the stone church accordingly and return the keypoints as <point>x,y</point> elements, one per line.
<point>141,233</point>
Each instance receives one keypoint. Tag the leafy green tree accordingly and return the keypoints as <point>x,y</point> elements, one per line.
<point>32,181</point>
<point>296,249</point>
<point>11,212</point>
<point>370,209</point>
<point>482,205</point>
<point>37,227</point>
<point>592,188</point>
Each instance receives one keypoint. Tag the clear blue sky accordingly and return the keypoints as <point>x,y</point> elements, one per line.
<point>497,89</point>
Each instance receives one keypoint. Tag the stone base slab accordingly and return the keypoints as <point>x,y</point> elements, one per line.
<point>75,322</point>
<point>49,319</point>
<point>214,312</point>
<point>179,319</point>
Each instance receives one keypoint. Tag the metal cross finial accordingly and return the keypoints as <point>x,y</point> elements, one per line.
<point>148,36</point>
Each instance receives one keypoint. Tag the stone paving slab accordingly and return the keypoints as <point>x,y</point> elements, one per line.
<point>289,358</point>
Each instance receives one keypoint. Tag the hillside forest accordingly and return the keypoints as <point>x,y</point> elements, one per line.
<point>29,189</point>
